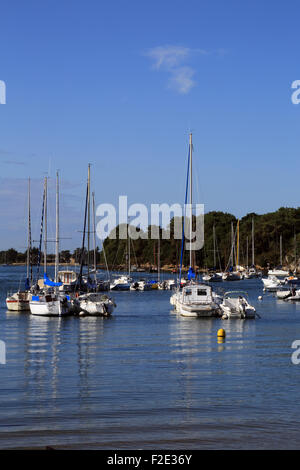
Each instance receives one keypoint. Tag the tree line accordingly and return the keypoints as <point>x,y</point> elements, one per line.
<point>268,229</point>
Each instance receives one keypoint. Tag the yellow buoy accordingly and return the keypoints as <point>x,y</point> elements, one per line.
<point>221,333</point>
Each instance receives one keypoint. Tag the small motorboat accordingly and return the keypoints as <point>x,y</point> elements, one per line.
<point>251,273</point>
<point>141,285</point>
<point>271,283</point>
<point>96,304</point>
<point>294,295</point>
<point>212,277</point>
<point>232,276</point>
<point>292,280</point>
<point>168,284</point>
<point>236,305</point>
<point>121,283</point>
<point>283,294</point>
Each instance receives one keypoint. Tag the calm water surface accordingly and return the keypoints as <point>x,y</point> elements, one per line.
<point>147,378</point>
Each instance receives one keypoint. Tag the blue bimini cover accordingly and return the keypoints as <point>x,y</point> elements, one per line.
<point>51,283</point>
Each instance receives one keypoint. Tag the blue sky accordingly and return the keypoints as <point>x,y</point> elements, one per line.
<point>120,85</point>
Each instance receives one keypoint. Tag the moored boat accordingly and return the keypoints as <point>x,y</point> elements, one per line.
<point>278,272</point>
<point>232,276</point>
<point>294,295</point>
<point>236,305</point>
<point>50,304</point>
<point>271,283</point>
<point>212,277</point>
<point>18,301</point>
<point>140,285</point>
<point>50,301</point>
<point>167,284</point>
<point>121,283</point>
<point>96,304</point>
<point>195,300</point>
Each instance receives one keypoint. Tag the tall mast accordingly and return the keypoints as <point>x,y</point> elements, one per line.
<point>94,238</point>
<point>295,241</point>
<point>191,196</point>
<point>232,245</point>
<point>83,239</point>
<point>237,244</point>
<point>45,224</point>
<point>29,232</point>
<point>280,242</point>
<point>128,235</point>
<point>214,239</point>
<point>247,252</point>
<point>158,255</point>
<point>89,219</point>
<point>57,229</point>
<point>252,241</point>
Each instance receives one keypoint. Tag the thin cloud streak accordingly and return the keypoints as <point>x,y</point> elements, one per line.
<point>168,56</point>
<point>12,162</point>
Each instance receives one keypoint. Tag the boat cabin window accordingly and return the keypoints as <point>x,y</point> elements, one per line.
<point>188,292</point>
<point>201,292</point>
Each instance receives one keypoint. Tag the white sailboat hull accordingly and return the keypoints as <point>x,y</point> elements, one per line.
<point>17,305</point>
<point>281,273</point>
<point>52,308</point>
<point>18,301</point>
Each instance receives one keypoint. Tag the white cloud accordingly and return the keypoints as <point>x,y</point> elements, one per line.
<point>172,59</point>
<point>168,56</point>
<point>181,79</point>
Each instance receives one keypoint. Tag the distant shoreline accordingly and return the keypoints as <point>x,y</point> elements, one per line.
<point>145,268</point>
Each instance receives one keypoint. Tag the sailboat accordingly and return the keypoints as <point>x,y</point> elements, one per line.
<point>279,272</point>
<point>251,271</point>
<point>50,301</point>
<point>18,301</point>
<point>230,274</point>
<point>213,276</point>
<point>124,282</point>
<point>163,284</point>
<point>92,303</point>
<point>141,284</point>
<point>194,299</point>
